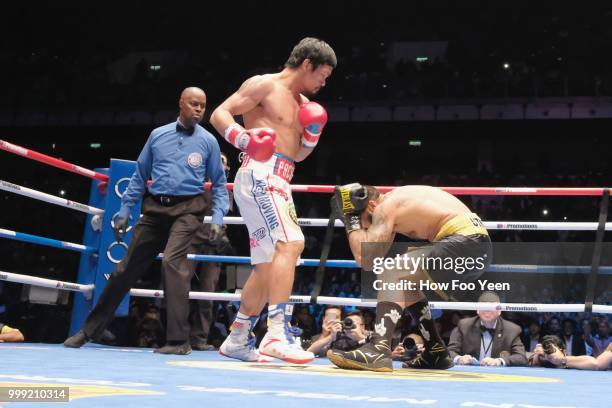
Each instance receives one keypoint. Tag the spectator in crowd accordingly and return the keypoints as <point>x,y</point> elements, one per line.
<point>409,348</point>
<point>150,331</point>
<point>10,335</point>
<point>448,329</point>
<point>330,328</point>
<point>533,336</point>
<point>585,325</point>
<point>353,334</point>
<point>601,340</point>
<point>574,345</point>
<point>368,319</point>
<point>487,339</point>
<point>553,354</point>
<point>304,320</point>
<point>553,326</point>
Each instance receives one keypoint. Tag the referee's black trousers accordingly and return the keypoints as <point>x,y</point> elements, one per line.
<point>161,228</point>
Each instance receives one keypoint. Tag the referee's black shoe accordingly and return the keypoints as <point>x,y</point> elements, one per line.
<point>77,340</point>
<point>180,349</point>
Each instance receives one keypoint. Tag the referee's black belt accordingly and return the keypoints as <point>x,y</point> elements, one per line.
<point>169,201</point>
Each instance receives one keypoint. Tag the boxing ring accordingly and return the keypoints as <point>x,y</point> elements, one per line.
<point>102,376</point>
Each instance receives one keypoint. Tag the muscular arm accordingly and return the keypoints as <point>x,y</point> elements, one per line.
<point>303,153</point>
<point>321,345</point>
<point>582,362</point>
<point>250,94</point>
<point>381,231</point>
<point>604,360</point>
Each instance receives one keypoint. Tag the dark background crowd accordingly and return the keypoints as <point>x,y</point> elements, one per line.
<point>389,54</point>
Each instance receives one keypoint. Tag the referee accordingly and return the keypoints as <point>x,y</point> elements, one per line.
<point>179,157</point>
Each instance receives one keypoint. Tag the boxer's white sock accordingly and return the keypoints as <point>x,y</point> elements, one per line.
<point>276,319</point>
<point>241,327</point>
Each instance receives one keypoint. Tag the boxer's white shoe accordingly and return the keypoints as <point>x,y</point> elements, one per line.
<point>282,345</point>
<point>241,351</point>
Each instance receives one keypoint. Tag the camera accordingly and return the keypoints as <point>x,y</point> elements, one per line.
<point>348,324</point>
<point>410,349</point>
<point>343,341</point>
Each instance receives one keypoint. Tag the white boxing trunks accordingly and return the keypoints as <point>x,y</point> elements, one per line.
<point>263,194</point>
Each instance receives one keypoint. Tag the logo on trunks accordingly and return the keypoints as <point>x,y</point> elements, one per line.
<point>194,160</point>
<point>290,209</point>
<point>284,169</point>
<point>265,204</point>
<point>3,276</point>
<point>257,236</point>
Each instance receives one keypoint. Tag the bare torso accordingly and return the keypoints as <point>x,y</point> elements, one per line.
<point>279,110</point>
<point>420,211</point>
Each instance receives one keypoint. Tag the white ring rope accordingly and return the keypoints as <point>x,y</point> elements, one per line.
<point>491,225</point>
<point>322,300</point>
<point>342,301</point>
<point>39,195</point>
<point>310,222</point>
<point>46,283</point>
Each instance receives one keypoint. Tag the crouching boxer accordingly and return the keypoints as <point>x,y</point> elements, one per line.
<point>418,212</point>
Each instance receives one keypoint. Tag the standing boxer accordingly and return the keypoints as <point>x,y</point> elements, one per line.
<point>281,127</point>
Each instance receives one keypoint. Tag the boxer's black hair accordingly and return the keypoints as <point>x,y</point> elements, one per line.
<point>317,51</point>
<point>372,194</point>
<point>552,340</point>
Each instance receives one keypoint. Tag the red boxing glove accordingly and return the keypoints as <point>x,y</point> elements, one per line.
<point>258,143</point>
<point>262,145</point>
<point>313,118</point>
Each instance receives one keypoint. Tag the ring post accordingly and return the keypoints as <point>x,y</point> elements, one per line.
<point>88,265</point>
<point>110,252</point>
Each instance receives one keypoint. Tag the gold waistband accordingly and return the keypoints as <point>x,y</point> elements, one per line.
<point>462,224</point>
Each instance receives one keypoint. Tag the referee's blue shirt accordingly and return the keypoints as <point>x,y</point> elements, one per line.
<point>179,160</point>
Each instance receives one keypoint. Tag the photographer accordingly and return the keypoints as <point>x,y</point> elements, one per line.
<point>410,347</point>
<point>150,331</point>
<point>331,326</point>
<point>353,333</point>
<point>552,354</point>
